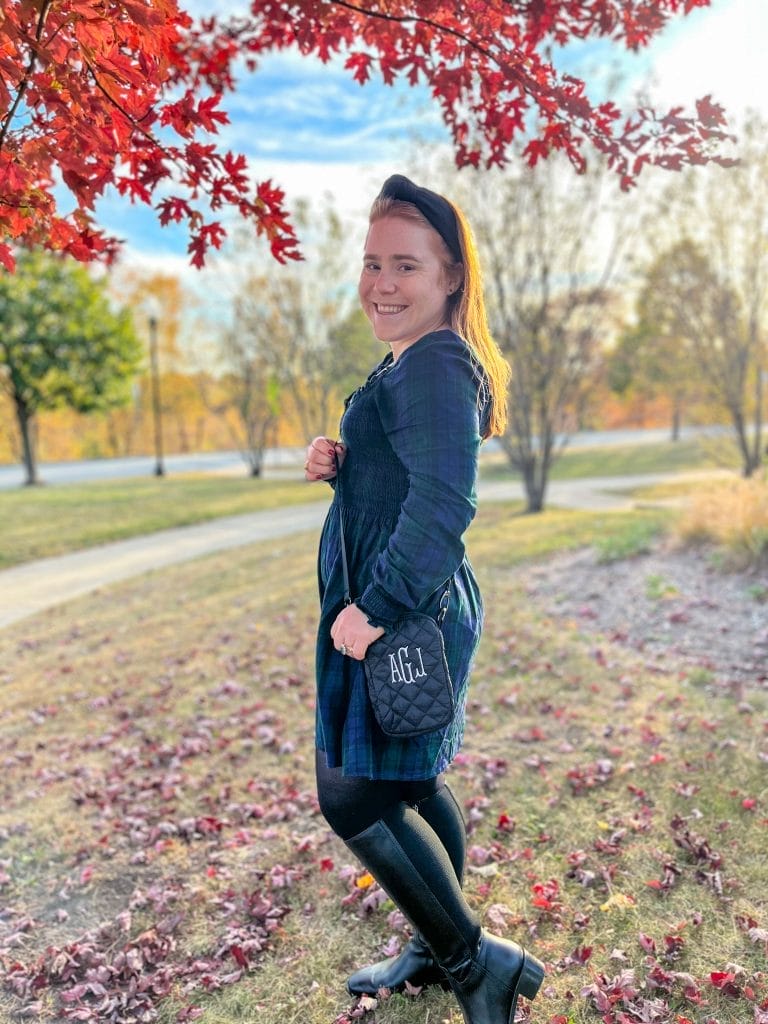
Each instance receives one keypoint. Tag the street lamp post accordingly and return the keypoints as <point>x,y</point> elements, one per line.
<point>157,413</point>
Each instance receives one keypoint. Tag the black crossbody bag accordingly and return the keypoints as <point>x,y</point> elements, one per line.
<point>409,685</point>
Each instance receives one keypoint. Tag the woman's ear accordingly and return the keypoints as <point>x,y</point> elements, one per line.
<point>455,278</point>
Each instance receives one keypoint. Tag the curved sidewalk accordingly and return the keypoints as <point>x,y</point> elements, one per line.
<point>35,586</point>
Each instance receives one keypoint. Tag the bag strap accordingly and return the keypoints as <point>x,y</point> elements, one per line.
<point>445,596</point>
<point>344,563</point>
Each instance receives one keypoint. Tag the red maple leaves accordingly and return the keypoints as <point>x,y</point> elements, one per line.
<point>119,92</point>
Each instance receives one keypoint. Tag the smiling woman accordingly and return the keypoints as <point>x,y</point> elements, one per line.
<point>404,478</point>
<point>405,283</point>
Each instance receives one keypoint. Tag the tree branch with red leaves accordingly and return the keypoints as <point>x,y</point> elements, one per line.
<point>120,93</point>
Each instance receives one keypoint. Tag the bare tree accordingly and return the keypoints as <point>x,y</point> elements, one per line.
<point>289,318</point>
<point>246,396</point>
<point>688,303</point>
<point>299,349</point>
<point>711,288</point>
<point>550,252</point>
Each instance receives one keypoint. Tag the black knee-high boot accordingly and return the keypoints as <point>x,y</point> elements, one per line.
<point>415,963</point>
<point>486,973</point>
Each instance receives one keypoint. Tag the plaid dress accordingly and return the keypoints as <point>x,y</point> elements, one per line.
<point>407,494</point>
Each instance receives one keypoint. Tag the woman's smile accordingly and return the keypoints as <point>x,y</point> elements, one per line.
<point>404,284</point>
<point>383,310</point>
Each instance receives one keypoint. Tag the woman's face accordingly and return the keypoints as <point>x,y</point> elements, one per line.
<point>404,286</point>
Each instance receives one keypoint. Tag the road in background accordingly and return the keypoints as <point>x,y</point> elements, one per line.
<point>92,470</point>
<point>281,460</point>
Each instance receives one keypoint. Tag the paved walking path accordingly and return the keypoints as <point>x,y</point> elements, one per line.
<point>35,586</point>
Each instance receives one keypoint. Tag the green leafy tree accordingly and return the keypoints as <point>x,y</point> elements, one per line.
<point>61,344</point>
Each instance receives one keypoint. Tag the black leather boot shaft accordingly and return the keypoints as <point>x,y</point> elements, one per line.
<point>408,861</point>
<point>415,963</point>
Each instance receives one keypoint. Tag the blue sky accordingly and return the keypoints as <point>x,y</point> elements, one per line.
<point>312,129</point>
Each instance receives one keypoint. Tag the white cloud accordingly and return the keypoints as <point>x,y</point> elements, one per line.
<point>719,51</point>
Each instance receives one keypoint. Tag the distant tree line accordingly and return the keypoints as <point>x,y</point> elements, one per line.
<point>592,293</point>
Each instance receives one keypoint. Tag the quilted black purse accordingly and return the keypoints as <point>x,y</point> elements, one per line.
<point>409,685</point>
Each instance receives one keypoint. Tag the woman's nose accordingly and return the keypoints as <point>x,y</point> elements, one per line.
<point>385,282</point>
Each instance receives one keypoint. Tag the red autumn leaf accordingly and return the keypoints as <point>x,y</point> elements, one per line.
<point>239,956</point>
<point>725,981</point>
<point>88,83</point>
<point>209,116</point>
<point>648,944</point>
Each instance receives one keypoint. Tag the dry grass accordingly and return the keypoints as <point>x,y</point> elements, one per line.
<point>732,515</point>
<point>189,695</point>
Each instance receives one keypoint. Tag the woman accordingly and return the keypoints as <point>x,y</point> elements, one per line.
<point>406,489</point>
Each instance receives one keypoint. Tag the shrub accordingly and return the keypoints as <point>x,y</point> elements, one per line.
<point>733,516</point>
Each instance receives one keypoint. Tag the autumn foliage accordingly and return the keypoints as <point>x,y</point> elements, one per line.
<point>124,93</point>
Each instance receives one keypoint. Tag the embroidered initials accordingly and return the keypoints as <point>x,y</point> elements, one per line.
<point>404,671</point>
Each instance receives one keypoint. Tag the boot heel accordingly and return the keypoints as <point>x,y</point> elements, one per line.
<point>531,976</point>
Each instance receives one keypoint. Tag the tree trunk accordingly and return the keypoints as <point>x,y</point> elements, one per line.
<point>761,377</point>
<point>535,487</point>
<point>750,460</point>
<point>677,419</point>
<point>26,422</point>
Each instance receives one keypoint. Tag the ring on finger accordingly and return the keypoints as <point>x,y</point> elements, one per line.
<point>343,649</point>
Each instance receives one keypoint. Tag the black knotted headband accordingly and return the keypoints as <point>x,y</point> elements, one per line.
<point>437,210</point>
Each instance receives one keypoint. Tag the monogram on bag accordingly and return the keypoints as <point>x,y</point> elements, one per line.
<point>401,670</point>
<point>408,680</point>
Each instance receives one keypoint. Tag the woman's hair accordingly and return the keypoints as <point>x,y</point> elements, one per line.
<point>466,305</point>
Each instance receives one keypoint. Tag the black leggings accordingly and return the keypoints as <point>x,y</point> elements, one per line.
<point>351,804</point>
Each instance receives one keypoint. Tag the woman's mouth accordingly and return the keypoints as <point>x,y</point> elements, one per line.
<point>387,310</point>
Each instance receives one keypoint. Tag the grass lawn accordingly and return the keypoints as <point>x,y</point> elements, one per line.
<point>37,522</point>
<point>162,856</point>
<point>621,460</point>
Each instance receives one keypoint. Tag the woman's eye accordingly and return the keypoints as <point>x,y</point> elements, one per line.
<point>371,267</point>
<point>405,267</point>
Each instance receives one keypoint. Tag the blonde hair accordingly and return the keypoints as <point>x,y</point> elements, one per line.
<point>466,305</point>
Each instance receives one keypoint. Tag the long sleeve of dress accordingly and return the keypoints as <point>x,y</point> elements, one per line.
<point>429,411</point>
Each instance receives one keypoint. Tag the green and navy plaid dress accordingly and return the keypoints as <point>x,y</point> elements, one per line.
<point>407,494</point>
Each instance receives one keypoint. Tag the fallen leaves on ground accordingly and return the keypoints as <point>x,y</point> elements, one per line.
<point>160,831</point>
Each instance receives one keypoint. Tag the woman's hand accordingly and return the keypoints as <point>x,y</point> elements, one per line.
<point>319,463</point>
<point>352,634</point>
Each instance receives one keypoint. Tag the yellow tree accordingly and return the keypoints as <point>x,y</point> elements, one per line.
<point>159,302</point>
